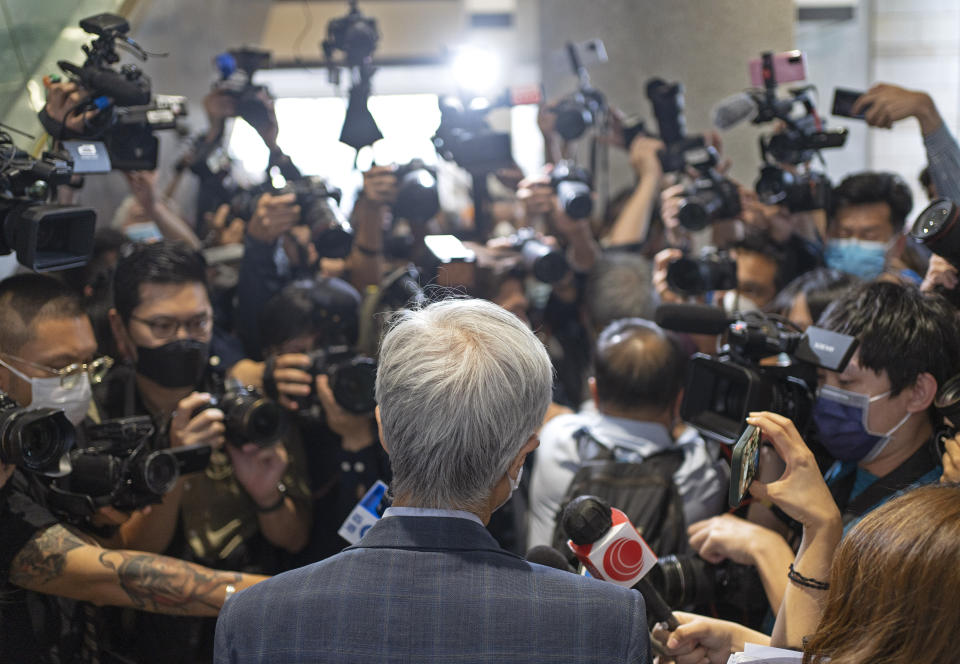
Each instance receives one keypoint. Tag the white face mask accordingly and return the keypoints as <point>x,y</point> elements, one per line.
<point>734,303</point>
<point>514,485</point>
<point>48,393</point>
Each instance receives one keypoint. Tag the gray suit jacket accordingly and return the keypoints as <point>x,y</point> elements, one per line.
<point>431,589</point>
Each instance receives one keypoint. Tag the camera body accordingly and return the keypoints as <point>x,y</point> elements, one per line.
<point>574,192</point>
<point>799,192</point>
<point>248,416</point>
<point>547,264</point>
<point>352,378</point>
<point>714,271</point>
<point>690,581</point>
<point>35,439</point>
<point>722,390</point>
<point>709,197</point>
<point>354,34</point>
<point>237,68</point>
<point>417,198</point>
<point>45,236</point>
<point>578,112</point>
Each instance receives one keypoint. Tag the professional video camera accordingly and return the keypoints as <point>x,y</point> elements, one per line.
<point>721,391</point>
<point>330,231</point>
<point>714,271</point>
<point>237,67</point>
<point>120,467</point>
<point>708,197</point>
<point>35,439</point>
<point>45,236</point>
<point>126,117</point>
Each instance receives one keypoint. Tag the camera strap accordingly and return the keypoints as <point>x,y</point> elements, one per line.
<point>922,462</point>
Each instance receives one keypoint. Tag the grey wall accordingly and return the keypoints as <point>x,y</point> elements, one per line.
<point>706,45</point>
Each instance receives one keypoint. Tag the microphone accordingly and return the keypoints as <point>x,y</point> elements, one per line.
<point>611,549</point>
<point>692,318</point>
<point>549,557</point>
<point>733,110</point>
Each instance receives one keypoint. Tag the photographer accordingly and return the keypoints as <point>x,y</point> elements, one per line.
<point>43,563</point>
<point>162,324</point>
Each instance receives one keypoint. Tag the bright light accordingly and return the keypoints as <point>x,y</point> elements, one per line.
<point>476,69</point>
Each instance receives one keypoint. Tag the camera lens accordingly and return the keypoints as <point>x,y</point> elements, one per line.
<point>574,198</point>
<point>354,385</point>
<point>682,581</point>
<point>948,400</point>
<point>546,263</point>
<point>572,121</point>
<point>158,472</point>
<point>94,474</point>
<point>685,276</point>
<point>35,439</point>
<point>417,198</point>
<point>263,420</point>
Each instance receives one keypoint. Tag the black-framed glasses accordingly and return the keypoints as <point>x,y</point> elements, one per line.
<point>70,374</point>
<point>166,327</point>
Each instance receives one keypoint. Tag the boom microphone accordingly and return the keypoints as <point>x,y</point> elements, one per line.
<point>733,110</point>
<point>611,549</point>
<point>692,318</point>
<point>549,557</point>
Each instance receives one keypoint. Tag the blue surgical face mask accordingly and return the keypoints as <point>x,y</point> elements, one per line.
<point>861,258</point>
<point>841,418</point>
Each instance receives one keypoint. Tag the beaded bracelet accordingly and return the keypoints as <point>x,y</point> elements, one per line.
<point>806,582</point>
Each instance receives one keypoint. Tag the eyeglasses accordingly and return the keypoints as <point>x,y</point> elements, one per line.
<point>166,327</point>
<point>70,374</point>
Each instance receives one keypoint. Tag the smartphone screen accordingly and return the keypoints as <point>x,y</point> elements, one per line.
<point>743,465</point>
<point>788,67</point>
<point>843,101</point>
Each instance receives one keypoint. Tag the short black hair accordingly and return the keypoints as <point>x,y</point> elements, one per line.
<point>620,286</point>
<point>760,242</point>
<point>326,307</point>
<point>820,286</point>
<point>27,298</point>
<point>901,331</point>
<point>638,365</point>
<point>154,263</point>
<point>874,187</point>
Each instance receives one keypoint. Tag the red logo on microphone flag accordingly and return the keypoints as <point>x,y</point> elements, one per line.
<point>623,559</point>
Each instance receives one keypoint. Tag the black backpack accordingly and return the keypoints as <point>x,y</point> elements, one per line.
<point>644,491</point>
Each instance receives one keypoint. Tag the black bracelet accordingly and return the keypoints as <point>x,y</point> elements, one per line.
<point>277,505</point>
<point>806,582</point>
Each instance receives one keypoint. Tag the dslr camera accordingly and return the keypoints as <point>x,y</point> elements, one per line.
<point>722,390</point>
<point>237,67</point>
<point>45,236</point>
<point>352,380</point>
<point>248,416</point>
<point>128,114</point>
<point>574,194</point>
<point>937,229</point>
<point>714,271</point>
<point>710,196</point>
<point>35,439</point>
<point>120,467</point>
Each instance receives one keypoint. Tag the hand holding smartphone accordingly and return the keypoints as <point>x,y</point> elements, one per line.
<point>843,101</point>
<point>744,463</point>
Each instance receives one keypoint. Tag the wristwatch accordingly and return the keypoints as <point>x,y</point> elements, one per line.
<point>281,487</point>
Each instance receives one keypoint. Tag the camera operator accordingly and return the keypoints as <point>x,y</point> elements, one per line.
<point>637,389</point>
<point>865,227</point>
<point>874,418</point>
<point>343,457</point>
<point>162,324</point>
<point>45,340</point>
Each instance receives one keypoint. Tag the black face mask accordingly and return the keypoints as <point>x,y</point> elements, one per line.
<point>179,363</point>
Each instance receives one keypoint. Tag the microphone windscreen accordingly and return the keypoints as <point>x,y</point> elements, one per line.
<point>692,318</point>
<point>549,557</point>
<point>733,110</point>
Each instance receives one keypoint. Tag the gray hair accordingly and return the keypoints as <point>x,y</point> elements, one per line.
<point>620,286</point>
<point>462,384</point>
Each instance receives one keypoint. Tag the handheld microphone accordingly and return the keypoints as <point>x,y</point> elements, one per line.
<point>692,318</point>
<point>733,110</point>
<point>611,549</point>
<point>549,557</point>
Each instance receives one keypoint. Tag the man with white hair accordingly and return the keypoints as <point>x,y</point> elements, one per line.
<point>462,388</point>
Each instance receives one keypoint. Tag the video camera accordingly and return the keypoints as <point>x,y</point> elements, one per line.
<point>801,138</point>
<point>319,203</point>
<point>237,67</point>
<point>127,113</point>
<point>35,439</point>
<point>722,390</point>
<point>44,235</point>
<point>714,271</point>
<point>710,196</point>
<point>120,468</point>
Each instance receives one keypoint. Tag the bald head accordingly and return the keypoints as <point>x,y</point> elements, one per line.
<point>638,367</point>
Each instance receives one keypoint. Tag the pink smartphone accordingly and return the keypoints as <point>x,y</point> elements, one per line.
<point>788,66</point>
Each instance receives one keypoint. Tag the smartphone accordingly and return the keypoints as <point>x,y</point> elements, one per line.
<point>788,66</point>
<point>843,101</point>
<point>743,464</point>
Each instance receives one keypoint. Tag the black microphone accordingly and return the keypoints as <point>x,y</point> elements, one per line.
<point>549,557</point>
<point>692,318</point>
<point>586,519</point>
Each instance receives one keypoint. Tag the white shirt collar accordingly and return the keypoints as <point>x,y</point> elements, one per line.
<point>428,511</point>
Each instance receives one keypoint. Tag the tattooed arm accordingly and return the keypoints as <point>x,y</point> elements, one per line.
<point>60,562</point>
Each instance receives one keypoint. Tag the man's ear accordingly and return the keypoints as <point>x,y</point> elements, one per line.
<point>533,442</point>
<point>383,442</point>
<point>922,393</point>
<point>121,337</point>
